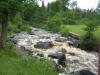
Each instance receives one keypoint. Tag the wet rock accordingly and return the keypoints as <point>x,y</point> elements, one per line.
<point>44,37</point>
<point>56,55</point>
<point>53,55</point>
<point>60,56</point>
<point>72,42</point>
<point>61,39</point>
<point>44,45</point>
<point>62,50</point>
<point>14,41</point>
<point>84,72</point>
<point>73,35</point>
<point>38,32</point>
<point>61,60</point>
<point>40,54</point>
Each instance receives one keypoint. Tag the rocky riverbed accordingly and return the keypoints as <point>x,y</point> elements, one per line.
<point>43,44</point>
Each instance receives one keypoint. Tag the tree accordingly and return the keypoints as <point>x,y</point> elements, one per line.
<point>88,41</point>
<point>99,60</point>
<point>54,23</point>
<point>7,8</point>
<point>98,4</point>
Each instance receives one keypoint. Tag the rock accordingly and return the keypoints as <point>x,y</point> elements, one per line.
<point>24,33</point>
<point>62,50</point>
<point>72,42</point>
<point>56,55</point>
<point>14,41</point>
<point>61,39</point>
<point>38,32</point>
<point>44,45</point>
<point>57,66</point>
<point>73,35</point>
<point>40,54</point>
<point>53,55</point>
<point>44,37</point>
<point>84,72</point>
<point>72,54</point>
<point>60,56</point>
<point>61,60</point>
<point>26,48</point>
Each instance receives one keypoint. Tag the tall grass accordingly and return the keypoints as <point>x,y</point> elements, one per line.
<point>11,63</point>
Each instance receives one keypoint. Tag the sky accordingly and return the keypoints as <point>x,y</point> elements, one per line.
<point>83,4</point>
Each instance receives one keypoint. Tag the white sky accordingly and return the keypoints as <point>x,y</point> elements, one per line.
<point>83,4</point>
<point>87,4</point>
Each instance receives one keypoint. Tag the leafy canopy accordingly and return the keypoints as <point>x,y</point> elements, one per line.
<point>10,6</point>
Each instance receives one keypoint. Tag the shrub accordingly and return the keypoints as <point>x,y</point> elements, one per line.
<point>88,41</point>
<point>54,23</point>
<point>63,30</point>
<point>71,22</point>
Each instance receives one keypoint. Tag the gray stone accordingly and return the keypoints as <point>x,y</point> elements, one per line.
<point>38,32</point>
<point>60,56</point>
<point>84,72</point>
<point>44,45</point>
<point>62,50</point>
<point>40,54</point>
<point>14,40</point>
<point>72,42</point>
<point>61,39</point>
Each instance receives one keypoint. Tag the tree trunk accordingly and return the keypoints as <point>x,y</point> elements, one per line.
<point>4,29</point>
<point>99,60</point>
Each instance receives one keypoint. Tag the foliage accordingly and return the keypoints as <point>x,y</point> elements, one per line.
<point>88,41</point>
<point>10,6</point>
<point>54,23</point>
<point>18,20</point>
<point>63,30</point>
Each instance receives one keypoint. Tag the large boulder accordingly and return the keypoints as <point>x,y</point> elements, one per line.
<point>72,41</point>
<point>57,53</point>
<point>44,45</point>
<point>60,56</point>
<point>84,72</point>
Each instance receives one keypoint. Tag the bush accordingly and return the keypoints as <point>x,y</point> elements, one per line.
<point>88,41</point>
<point>63,30</point>
<point>12,28</point>
<point>71,22</point>
<point>84,21</point>
<point>54,23</point>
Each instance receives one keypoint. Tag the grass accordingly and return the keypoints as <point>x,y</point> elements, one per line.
<point>79,29</point>
<point>12,64</point>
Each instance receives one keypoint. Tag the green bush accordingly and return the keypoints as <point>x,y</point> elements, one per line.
<point>64,30</point>
<point>88,41</point>
<point>54,23</point>
<point>84,21</point>
<point>71,22</point>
